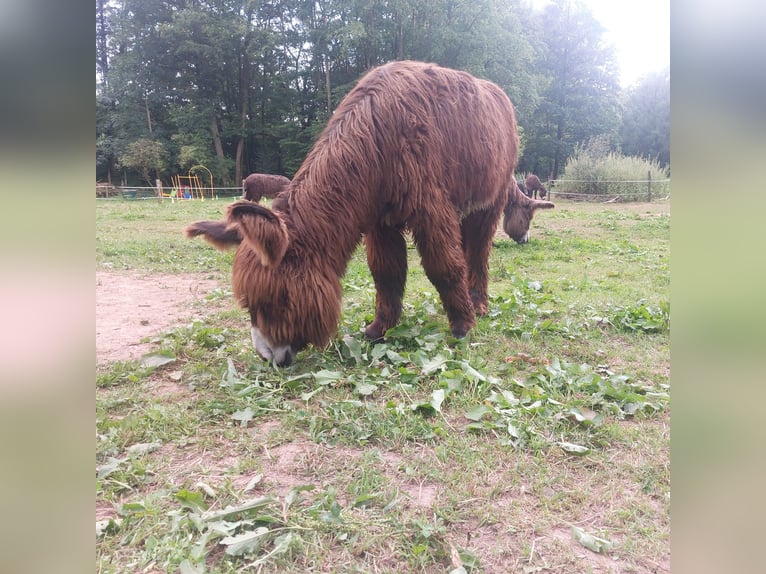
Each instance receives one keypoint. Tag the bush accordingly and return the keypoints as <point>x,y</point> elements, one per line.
<point>595,172</point>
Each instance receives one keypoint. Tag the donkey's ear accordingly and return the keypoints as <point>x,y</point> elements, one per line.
<point>262,229</point>
<point>538,204</point>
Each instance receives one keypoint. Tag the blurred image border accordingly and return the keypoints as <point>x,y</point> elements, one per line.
<point>717,284</point>
<point>47,286</point>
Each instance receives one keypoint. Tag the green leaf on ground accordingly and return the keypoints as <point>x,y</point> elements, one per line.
<point>244,416</point>
<point>325,377</point>
<point>245,543</point>
<point>572,448</point>
<point>365,389</point>
<point>154,360</point>
<point>477,413</point>
<point>594,543</point>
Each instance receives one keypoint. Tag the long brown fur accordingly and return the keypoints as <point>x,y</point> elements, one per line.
<point>413,146</point>
<point>258,185</point>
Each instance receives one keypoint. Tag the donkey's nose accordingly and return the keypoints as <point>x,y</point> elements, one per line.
<point>523,239</point>
<point>284,357</point>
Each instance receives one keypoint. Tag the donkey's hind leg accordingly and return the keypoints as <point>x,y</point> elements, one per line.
<point>387,259</point>
<point>439,245</point>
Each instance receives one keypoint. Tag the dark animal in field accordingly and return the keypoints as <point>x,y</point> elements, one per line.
<point>413,147</point>
<point>535,186</point>
<point>258,185</point>
<point>518,213</point>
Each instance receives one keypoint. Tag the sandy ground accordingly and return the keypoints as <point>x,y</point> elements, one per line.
<point>130,307</point>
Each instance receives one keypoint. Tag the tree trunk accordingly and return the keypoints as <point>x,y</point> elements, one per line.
<point>399,35</point>
<point>239,170</point>
<point>148,113</point>
<point>328,89</point>
<point>216,133</point>
<point>559,143</point>
<point>102,58</point>
<point>244,87</point>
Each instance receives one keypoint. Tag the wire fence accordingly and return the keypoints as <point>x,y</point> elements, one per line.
<point>610,191</point>
<point>133,193</point>
<point>602,191</point>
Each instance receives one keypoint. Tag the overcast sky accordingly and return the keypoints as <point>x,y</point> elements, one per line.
<point>639,31</point>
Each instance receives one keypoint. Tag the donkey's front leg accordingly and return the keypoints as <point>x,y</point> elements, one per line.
<point>387,259</point>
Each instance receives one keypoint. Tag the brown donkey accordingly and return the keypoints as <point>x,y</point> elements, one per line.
<point>258,185</point>
<point>413,146</point>
<point>535,186</point>
<point>518,213</point>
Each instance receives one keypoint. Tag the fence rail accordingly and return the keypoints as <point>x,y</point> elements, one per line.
<point>597,190</point>
<point>133,192</point>
<point>610,190</point>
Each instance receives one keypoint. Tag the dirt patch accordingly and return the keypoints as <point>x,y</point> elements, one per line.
<point>420,494</point>
<point>131,307</point>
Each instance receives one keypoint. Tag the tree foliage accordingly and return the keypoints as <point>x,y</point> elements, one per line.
<point>580,95</point>
<point>243,86</point>
<point>646,121</point>
<point>144,155</point>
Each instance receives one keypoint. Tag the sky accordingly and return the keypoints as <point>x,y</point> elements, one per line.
<point>639,31</point>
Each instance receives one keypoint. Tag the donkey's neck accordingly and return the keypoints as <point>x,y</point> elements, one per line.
<point>333,196</point>
<point>325,227</point>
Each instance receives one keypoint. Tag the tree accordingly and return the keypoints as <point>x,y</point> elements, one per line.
<point>106,140</point>
<point>102,36</point>
<point>581,97</point>
<point>145,155</point>
<point>140,82</point>
<point>646,120</point>
<point>245,86</point>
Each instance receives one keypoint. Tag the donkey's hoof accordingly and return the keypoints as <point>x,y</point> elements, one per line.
<point>460,328</point>
<point>374,332</point>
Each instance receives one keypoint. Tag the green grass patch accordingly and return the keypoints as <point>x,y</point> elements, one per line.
<point>148,236</point>
<point>539,439</point>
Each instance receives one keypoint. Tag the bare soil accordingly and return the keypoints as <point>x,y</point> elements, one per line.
<point>131,307</point>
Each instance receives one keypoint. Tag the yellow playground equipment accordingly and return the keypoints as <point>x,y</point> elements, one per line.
<point>190,186</point>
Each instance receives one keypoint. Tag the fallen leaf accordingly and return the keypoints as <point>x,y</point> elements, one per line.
<point>572,448</point>
<point>154,360</point>
<point>594,543</point>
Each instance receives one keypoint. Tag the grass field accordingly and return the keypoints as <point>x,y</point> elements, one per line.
<point>540,443</point>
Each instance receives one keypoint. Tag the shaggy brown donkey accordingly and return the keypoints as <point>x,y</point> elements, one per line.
<point>413,146</point>
<point>518,213</point>
<point>258,185</point>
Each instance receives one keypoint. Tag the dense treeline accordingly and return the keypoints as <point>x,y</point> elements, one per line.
<point>241,86</point>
